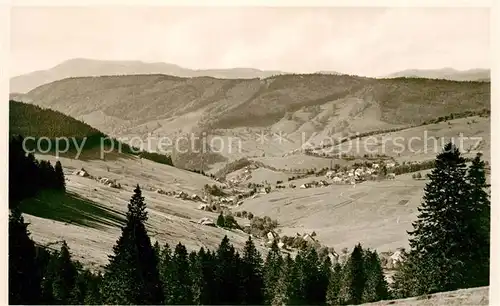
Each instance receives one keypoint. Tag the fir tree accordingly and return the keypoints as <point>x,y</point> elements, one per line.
<point>64,277</point>
<point>376,287</point>
<point>353,278</point>
<point>272,272</point>
<point>221,221</point>
<point>132,276</point>
<point>322,280</point>
<point>332,294</point>
<point>60,183</point>
<point>282,288</point>
<point>208,288</point>
<point>196,275</point>
<point>251,275</point>
<point>479,224</point>
<point>157,250</point>
<point>444,242</point>
<point>92,294</point>
<point>227,274</point>
<point>296,294</point>
<point>24,281</point>
<point>180,278</point>
<point>164,269</point>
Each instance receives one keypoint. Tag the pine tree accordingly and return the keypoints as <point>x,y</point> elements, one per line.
<point>444,242</point>
<point>208,288</point>
<point>180,278</point>
<point>23,173</point>
<point>157,250</point>
<point>92,294</point>
<point>164,269</point>
<point>251,275</point>
<point>284,292</point>
<point>272,271</point>
<point>295,287</point>
<point>332,294</point>
<point>60,183</point>
<point>48,276</point>
<point>65,276</point>
<point>221,221</point>
<point>196,275</point>
<point>82,282</point>
<point>24,281</point>
<point>322,280</point>
<point>132,276</point>
<point>376,287</point>
<point>479,226</point>
<point>227,276</point>
<point>353,278</point>
<point>312,276</point>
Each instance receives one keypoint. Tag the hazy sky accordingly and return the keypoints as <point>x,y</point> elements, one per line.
<point>364,41</point>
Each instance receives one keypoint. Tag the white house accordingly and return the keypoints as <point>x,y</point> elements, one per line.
<point>337,179</point>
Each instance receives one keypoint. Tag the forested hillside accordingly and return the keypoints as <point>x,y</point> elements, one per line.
<point>68,134</point>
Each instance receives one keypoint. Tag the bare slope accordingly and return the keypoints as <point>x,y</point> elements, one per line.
<point>301,107</point>
<point>471,296</point>
<point>171,219</point>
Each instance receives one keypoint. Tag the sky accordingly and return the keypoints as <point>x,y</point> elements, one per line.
<point>362,41</point>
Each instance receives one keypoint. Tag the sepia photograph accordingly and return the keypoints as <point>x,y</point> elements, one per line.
<point>249,155</point>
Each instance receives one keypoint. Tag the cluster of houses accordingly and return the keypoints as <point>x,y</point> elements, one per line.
<point>314,184</point>
<point>359,174</point>
<point>244,175</point>
<point>103,180</point>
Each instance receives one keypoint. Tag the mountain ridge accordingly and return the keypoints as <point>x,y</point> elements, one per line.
<point>447,73</point>
<point>306,108</point>
<point>81,67</point>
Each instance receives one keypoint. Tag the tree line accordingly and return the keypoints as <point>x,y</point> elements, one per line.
<point>142,273</point>
<point>28,176</point>
<point>449,250</point>
<point>56,127</point>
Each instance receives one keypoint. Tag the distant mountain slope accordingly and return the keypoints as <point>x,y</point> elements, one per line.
<point>34,121</point>
<point>310,107</point>
<point>446,74</point>
<point>88,67</point>
<point>31,120</point>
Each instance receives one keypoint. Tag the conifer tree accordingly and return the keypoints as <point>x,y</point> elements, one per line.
<point>92,294</point>
<point>332,294</point>
<point>479,226</point>
<point>227,274</point>
<point>285,292</point>
<point>322,280</point>
<point>48,277</point>
<point>196,275</point>
<point>132,276</point>
<point>251,275</point>
<point>64,277</point>
<point>180,278</point>
<point>353,278</point>
<point>221,221</point>
<point>208,288</point>
<point>60,183</point>
<point>164,269</point>
<point>157,248</point>
<point>445,243</point>
<point>24,281</point>
<point>297,289</point>
<point>272,271</point>
<point>376,287</point>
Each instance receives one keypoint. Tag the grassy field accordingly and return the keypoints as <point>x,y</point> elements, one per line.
<point>71,208</point>
<point>377,214</point>
<point>471,296</point>
<point>171,220</point>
